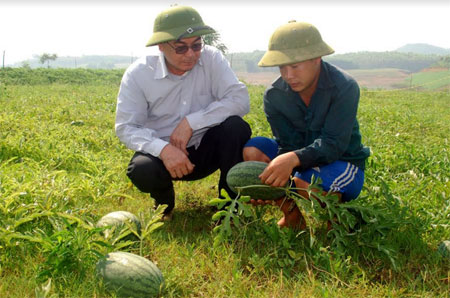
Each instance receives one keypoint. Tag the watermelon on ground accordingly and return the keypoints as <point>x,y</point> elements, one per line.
<point>130,275</point>
<point>118,220</point>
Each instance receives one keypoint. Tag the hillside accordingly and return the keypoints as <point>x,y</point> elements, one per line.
<point>423,48</point>
<point>382,78</point>
<point>388,78</point>
<point>375,60</point>
<point>410,62</point>
<point>411,58</point>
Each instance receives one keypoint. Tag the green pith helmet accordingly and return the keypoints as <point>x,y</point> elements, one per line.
<point>294,42</point>
<point>176,23</point>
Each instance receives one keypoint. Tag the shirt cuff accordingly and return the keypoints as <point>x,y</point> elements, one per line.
<point>156,147</point>
<point>195,121</point>
<point>305,158</point>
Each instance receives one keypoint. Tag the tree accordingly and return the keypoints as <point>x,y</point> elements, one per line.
<point>46,58</point>
<point>444,61</point>
<point>213,39</point>
<point>26,65</point>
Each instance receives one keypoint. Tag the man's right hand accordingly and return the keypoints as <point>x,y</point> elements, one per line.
<point>259,202</point>
<point>176,161</point>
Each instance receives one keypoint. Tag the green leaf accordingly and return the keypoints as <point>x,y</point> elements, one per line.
<point>219,214</point>
<point>244,199</point>
<point>292,254</point>
<point>236,221</point>
<point>218,201</point>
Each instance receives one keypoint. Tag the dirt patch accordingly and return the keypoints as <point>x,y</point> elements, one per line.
<point>366,78</point>
<point>388,79</point>
<point>258,78</point>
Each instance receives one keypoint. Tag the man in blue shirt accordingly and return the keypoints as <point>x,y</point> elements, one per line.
<point>312,111</point>
<point>181,111</point>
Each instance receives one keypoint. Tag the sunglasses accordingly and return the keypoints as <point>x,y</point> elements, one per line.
<point>183,49</point>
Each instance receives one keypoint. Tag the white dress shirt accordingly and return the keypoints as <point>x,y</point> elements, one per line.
<point>152,101</point>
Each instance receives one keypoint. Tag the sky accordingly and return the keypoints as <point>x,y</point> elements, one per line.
<point>100,27</point>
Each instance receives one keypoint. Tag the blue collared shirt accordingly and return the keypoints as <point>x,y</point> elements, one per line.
<point>152,101</point>
<point>323,132</point>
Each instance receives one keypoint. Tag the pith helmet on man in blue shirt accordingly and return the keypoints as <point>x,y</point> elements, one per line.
<point>294,42</point>
<point>176,23</point>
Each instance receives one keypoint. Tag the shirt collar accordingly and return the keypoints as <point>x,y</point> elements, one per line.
<point>324,79</point>
<point>161,70</point>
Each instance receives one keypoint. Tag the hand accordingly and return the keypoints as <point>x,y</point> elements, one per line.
<point>176,161</point>
<point>279,170</point>
<point>258,202</point>
<point>181,135</point>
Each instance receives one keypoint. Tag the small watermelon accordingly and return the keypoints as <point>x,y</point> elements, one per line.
<point>130,275</point>
<point>118,220</point>
<point>444,249</point>
<point>246,173</point>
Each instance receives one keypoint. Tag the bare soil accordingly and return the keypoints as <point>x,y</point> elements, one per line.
<point>371,79</point>
<point>258,78</point>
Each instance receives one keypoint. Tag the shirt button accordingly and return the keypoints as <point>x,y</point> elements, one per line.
<point>184,102</point>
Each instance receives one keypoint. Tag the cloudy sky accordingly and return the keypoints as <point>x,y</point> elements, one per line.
<point>74,28</point>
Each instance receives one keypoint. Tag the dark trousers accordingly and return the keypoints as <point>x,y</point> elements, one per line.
<point>220,148</point>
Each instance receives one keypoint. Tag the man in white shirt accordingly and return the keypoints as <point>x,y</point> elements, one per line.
<point>181,111</point>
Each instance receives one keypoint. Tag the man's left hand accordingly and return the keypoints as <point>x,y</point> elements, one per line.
<point>181,135</point>
<point>279,170</point>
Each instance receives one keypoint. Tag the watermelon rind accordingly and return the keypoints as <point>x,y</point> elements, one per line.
<point>130,275</point>
<point>245,174</point>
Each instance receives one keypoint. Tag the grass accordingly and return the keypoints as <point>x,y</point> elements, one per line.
<point>432,80</point>
<point>62,168</point>
<point>79,76</point>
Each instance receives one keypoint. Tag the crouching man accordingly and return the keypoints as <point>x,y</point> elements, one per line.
<point>181,111</point>
<point>311,109</point>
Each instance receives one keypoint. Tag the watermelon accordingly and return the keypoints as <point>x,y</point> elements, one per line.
<point>118,220</point>
<point>246,173</point>
<point>444,249</point>
<point>130,275</point>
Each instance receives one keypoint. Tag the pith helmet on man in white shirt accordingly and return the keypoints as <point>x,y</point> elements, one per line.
<point>176,23</point>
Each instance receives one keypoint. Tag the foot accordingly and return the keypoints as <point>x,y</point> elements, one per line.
<point>167,217</point>
<point>292,218</point>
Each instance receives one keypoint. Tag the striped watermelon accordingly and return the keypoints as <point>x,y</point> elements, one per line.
<point>129,275</point>
<point>118,219</point>
<point>246,173</point>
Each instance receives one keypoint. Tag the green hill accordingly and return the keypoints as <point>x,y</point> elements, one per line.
<point>375,60</point>
<point>248,62</point>
<point>406,58</point>
<point>423,48</point>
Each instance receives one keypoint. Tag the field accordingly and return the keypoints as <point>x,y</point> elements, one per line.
<point>62,168</point>
<point>386,78</point>
<point>432,79</point>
